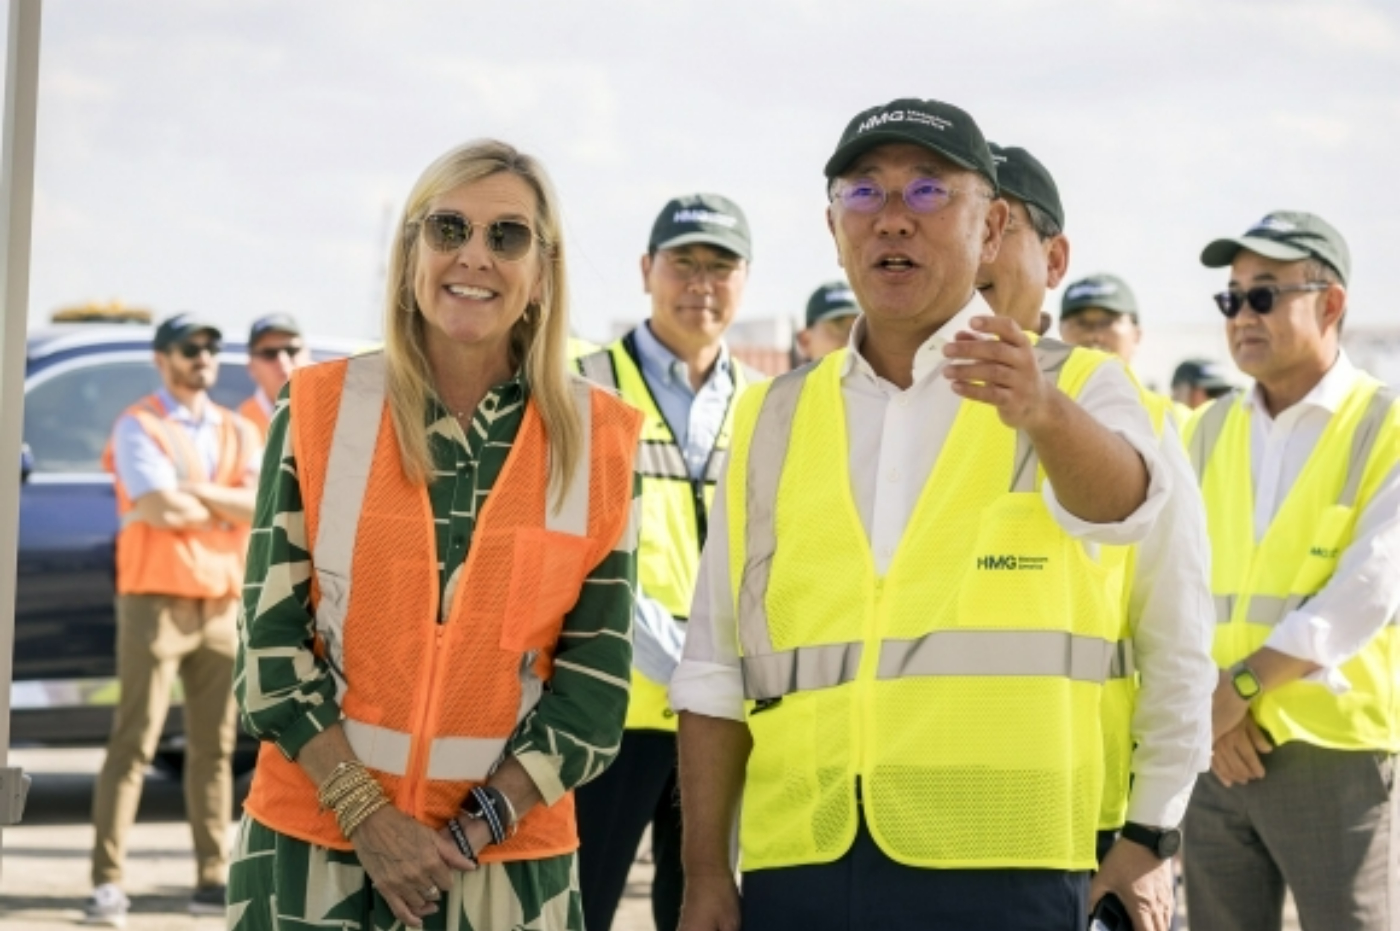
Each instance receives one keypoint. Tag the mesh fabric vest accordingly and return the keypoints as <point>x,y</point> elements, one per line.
<point>961,689</point>
<point>252,411</point>
<point>428,706</point>
<point>1258,583</point>
<point>203,563</point>
<point>675,510</point>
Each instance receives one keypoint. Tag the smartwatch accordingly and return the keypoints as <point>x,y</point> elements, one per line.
<point>1246,683</point>
<point>1164,843</point>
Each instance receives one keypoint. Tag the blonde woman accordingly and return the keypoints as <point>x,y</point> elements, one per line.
<point>435,642</point>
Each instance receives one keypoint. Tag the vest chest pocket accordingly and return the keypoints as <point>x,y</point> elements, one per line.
<point>1324,548</point>
<point>547,571</point>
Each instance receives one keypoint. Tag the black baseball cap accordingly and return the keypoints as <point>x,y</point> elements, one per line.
<point>833,299</point>
<point>711,219</point>
<point>1285,236</point>
<point>1023,177</point>
<point>273,323</point>
<point>1200,373</point>
<point>1107,292</point>
<point>932,124</point>
<point>181,327</point>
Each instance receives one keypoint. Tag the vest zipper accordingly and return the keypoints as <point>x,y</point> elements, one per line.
<point>424,725</point>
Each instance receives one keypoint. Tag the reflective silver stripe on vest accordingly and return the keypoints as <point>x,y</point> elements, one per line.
<point>660,459</point>
<point>999,653</point>
<point>572,513</point>
<point>347,475</point>
<point>1208,431</point>
<point>1123,663</point>
<point>764,469</point>
<point>450,758</point>
<point>1224,607</point>
<point>1051,355</point>
<point>1363,441</point>
<point>805,669</point>
<point>597,367</point>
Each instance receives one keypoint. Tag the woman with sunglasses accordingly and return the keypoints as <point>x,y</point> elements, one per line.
<point>436,638</point>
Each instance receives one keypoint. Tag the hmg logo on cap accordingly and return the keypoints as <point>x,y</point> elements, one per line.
<point>704,216</point>
<point>1092,289</point>
<point>1273,224</point>
<point>917,117</point>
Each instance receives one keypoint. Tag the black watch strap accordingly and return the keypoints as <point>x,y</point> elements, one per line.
<point>1163,843</point>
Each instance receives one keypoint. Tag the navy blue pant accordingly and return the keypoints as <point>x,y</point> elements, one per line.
<point>866,890</point>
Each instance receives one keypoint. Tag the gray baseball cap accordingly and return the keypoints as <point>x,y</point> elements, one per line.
<point>833,299</point>
<point>710,219</point>
<point>1107,292</point>
<point>1285,236</point>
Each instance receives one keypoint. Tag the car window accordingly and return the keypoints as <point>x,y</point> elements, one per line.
<point>68,418</point>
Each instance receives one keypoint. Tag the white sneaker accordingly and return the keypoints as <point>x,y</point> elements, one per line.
<point>108,907</point>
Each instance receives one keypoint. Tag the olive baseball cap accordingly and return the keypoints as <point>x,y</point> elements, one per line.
<point>710,219</point>
<point>1023,177</point>
<point>273,323</point>
<point>1107,292</point>
<point>182,326</point>
<point>833,299</point>
<point>1285,236</point>
<point>938,126</point>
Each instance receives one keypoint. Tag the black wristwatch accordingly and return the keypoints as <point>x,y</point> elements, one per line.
<point>1163,843</point>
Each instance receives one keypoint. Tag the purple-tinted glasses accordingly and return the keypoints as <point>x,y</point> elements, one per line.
<point>922,195</point>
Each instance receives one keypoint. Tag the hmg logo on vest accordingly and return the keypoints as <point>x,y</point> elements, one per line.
<point>1323,552</point>
<point>1012,563</point>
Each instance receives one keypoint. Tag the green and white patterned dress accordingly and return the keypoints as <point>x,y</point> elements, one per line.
<point>279,882</point>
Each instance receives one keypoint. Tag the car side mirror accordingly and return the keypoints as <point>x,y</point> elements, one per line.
<point>26,462</point>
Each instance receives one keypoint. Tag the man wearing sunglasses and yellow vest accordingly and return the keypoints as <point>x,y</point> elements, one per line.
<point>1154,719</point>
<point>903,624</point>
<point>1301,478</point>
<point>677,369</point>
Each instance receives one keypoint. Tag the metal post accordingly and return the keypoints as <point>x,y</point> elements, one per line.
<point>16,209</point>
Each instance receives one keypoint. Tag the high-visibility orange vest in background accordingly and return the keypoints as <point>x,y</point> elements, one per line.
<point>204,563</point>
<point>252,411</point>
<point>428,702</point>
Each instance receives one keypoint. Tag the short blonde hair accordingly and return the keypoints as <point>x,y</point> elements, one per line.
<point>538,341</point>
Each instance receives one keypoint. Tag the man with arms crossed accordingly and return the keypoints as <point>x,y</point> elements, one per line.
<point>1301,478</point>
<point>1158,732</point>
<point>899,580</point>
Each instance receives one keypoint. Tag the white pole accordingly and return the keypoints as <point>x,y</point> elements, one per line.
<point>16,208</point>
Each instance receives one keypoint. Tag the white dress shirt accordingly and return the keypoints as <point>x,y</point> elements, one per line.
<point>895,439</point>
<point>1364,591</point>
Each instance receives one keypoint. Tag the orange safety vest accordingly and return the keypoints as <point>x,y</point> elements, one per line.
<point>205,563</point>
<point>429,706</point>
<point>252,411</point>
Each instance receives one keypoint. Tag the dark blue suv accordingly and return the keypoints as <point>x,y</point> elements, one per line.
<point>78,379</point>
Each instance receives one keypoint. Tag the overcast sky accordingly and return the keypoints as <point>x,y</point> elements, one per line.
<point>241,157</point>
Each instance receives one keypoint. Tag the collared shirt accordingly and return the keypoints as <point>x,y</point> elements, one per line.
<point>143,467</point>
<point>574,730</point>
<point>895,437</point>
<point>696,419</point>
<point>1364,591</point>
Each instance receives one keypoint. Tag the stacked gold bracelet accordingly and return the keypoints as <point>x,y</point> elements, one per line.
<point>353,794</point>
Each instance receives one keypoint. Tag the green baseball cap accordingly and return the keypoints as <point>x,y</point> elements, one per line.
<point>702,218</point>
<point>1023,177</point>
<point>1106,292</point>
<point>833,299</point>
<point>935,125</point>
<point>1285,236</point>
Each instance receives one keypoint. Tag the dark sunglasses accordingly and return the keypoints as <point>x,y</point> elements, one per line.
<point>1261,299</point>
<point>195,350</point>
<point>273,353</point>
<point>508,240</point>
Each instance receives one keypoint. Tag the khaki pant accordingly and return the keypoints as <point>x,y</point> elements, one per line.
<point>159,637</point>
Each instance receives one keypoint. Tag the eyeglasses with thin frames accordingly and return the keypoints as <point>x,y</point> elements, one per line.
<point>865,195</point>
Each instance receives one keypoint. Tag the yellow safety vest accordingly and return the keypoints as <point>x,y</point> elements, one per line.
<point>960,691</point>
<point>675,508</point>
<point>1257,584</point>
